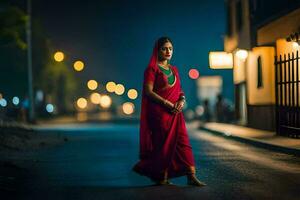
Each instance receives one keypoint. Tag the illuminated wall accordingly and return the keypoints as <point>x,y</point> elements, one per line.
<point>261,76</point>
<point>286,49</point>
<point>239,70</point>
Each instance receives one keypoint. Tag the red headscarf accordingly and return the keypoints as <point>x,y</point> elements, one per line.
<point>145,131</point>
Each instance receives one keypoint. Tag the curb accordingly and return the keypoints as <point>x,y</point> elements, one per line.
<point>254,142</point>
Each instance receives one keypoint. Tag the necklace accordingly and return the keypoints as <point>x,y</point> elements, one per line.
<point>167,72</point>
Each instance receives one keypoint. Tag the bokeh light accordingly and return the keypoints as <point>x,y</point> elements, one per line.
<point>194,73</point>
<point>59,56</point>
<point>120,89</point>
<point>132,93</point>
<point>242,54</point>
<point>3,102</point>
<point>16,100</point>
<point>111,86</point>
<point>128,108</point>
<point>78,65</point>
<point>92,84</point>
<point>295,45</point>
<point>50,108</point>
<point>95,98</point>
<point>82,103</point>
<point>105,101</point>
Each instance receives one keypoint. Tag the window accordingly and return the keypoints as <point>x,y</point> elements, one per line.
<point>259,73</point>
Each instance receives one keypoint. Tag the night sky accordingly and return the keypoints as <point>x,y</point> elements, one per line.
<point>115,38</point>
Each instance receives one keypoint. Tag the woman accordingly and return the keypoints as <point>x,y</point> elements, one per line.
<point>165,151</point>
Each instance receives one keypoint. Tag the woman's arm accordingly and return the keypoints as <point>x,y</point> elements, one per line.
<point>157,98</point>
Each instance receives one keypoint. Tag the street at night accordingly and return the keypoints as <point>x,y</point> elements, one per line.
<point>96,162</point>
<point>149,99</point>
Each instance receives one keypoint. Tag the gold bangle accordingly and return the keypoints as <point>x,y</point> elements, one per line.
<point>165,101</point>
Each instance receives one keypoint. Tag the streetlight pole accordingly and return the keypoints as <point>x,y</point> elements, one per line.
<point>29,64</point>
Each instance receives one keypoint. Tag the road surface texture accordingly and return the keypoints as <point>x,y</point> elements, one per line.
<point>96,162</point>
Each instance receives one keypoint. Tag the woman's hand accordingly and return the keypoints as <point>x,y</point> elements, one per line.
<point>169,104</point>
<point>178,106</point>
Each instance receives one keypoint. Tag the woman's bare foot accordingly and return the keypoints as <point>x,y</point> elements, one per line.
<point>193,180</point>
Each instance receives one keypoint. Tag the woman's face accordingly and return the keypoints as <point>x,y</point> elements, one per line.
<point>166,51</point>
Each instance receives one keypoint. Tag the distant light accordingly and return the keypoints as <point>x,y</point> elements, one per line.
<point>132,93</point>
<point>111,86</point>
<point>78,65</point>
<point>220,60</point>
<point>128,108</point>
<point>194,73</point>
<point>82,103</point>
<point>95,98</point>
<point>59,56</point>
<point>105,101</point>
<point>295,45</point>
<point>16,101</point>
<point>242,54</point>
<point>50,108</point>
<point>39,95</point>
<point>92,84</point>
<point>3,102</point>
<point>120,89</point>
<point>1,96</point>
<point>199,110</point>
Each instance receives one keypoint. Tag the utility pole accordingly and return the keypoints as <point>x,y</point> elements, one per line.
<point>29,64</point>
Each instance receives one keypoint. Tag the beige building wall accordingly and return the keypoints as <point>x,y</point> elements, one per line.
<point>280,28</point>
<point>239,70</point>
<point>265,94</point>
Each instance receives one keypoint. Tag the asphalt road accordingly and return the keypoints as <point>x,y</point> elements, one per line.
<point>96,162</point>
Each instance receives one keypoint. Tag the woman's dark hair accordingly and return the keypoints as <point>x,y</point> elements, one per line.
<point>161,41</point>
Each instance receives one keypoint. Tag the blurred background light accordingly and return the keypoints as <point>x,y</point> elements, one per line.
<point>59,56</point>
<point>92,84</point>
<point>50,108</point>
<point>242,54</point>
<point>111,86</point>
<point>78,65</point>
<point>120,89</point>
<point>193,73</point>
<point>132,93</point>
<point>220,60</point>
<point>82,103</point>
<point>105,101</point>
<point>95,98</point>
<point>16,100</point>
<point>128,108</point>
<point>3,102</point>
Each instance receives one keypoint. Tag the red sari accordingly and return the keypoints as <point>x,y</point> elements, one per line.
<point>164,143</point>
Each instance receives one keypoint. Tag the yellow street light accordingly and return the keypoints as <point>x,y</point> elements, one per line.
<point>128,108</point>
<point>242,54</point>
<point>78,65</point>
<point>82,103</point>
<point>95,98</point>
<point>110,86</point>
<point>132,93</point>
<point>105,101</point>
<point>92,84</point>
<point>59,56</point>
<point>120,89</point>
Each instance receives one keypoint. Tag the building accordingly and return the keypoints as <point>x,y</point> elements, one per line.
<point>258,33</point>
